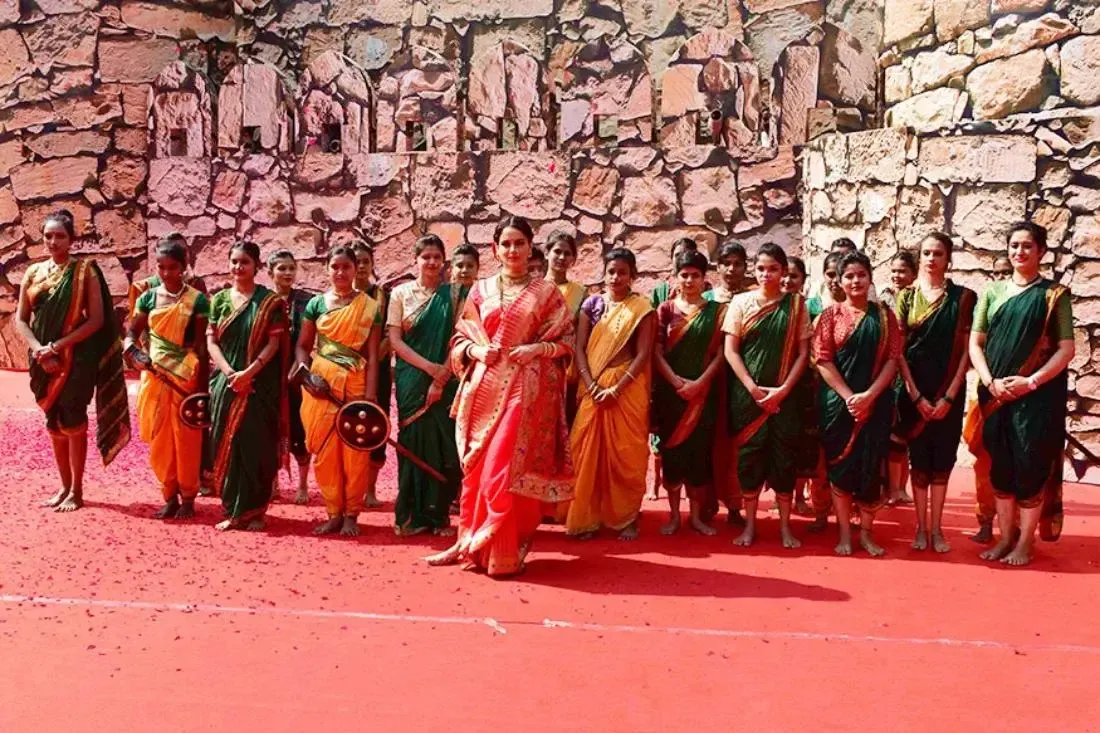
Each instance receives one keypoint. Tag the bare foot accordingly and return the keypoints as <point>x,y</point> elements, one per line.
<point>819,525</point>
<point>903,499</point>
<point>332,526</point>
<point>630,533</point>
<point>57,498</point>
<point>409,531</point>
<point>844,549</point>
<point>984,535</point>
<point>302,497</point>
<point>227,525</point>
<point>169,510</point>
<point>585,536</point>
<point>371,501</point>
<point>746,538</point>
<point>445,532</point>
<point>450,556</point>
<point>652,495</point>
<point>867,543</point>
<point>206,491</point>
<point>1017,558</point>
<point>71,503</point>
<point>702,527</point>
<point>350,528</point>
<point>939,544</point>
<point>187,510</point>
<point>735,519</point>
<point>998,550</point>
<point>256,525</point>
<point>789,540</point>
<point>920,542</point>
<point>673,525</point>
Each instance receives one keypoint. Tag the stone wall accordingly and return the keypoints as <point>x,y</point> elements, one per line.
<point>945,61</point>
<point>996,117</point>
<point>303,123</point>
<point>887,188</point>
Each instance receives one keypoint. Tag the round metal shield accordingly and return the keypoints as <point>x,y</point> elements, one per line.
<point>362,425</point>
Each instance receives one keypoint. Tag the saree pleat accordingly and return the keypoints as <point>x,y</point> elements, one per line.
<point>1019,444</point>
<point>249,431</point>
<point>341,471</point>
<point>94,366</point>
<point>609,440</point>
<point>429,432</point>
<point>765,445</point>
<point>510,422</point>
<point>934,348</point>
<point>175,450</point>
<point>856,453</point>
<point>686,429</point>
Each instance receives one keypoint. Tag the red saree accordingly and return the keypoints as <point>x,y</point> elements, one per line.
<point>510,422</point>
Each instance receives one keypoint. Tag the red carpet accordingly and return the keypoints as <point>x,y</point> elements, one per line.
<point>141,625</point>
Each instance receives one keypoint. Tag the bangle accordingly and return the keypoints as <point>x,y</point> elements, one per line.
<point>1032,383</point>
<point>52,348</point>
<point>628,375</point>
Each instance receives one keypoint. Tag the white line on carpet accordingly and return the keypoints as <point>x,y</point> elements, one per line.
<point>500,627</point>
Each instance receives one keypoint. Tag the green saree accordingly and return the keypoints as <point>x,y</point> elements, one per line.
<point>1026,438</point>
<point>686,429</point>
<point>856,454</point>
<point>93,366</point>
<point>766,444</point>
<point>935,343</point>
<point>429,432</point>
<point>250,431</point>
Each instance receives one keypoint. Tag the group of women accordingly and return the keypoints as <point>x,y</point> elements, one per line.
<point>532,402</point>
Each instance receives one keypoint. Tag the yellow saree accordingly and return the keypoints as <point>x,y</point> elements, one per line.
<point>609,441</point>
<point>175,450</point>
<point>341,334</point>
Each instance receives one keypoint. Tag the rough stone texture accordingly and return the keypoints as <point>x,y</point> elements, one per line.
<point>134,60</point>
<point>122,177</point>
<point>121,231</point>
<point>649,202</point>
<point>54,177</point>
<point>63,40</point>
<point>935,69</point>
<point>974,159</point>
<point>768,34</point>
<point>528,185</point>
<point>1009,86</point>
<point>953,17</point>
<point>1081,70</point>
<point>706,197</point>
<point>64,144</point>
<point>1030,34</point>
<point>930,110</point>
<point>905,19</point>
<point>180,186</point>
<point>799,78</point>
<point>595,189</point>
<point>848,73</point>
<point>268,202</point>
<point>176,22</point>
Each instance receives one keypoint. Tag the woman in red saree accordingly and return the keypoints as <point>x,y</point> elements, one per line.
<point>510,349</point>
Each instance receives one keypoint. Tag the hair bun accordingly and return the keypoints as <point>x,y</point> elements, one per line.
<point>63,213</point>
